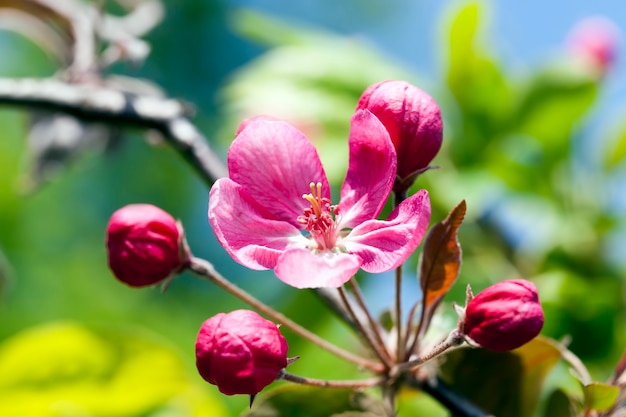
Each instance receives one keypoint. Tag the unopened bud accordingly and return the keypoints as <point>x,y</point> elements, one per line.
<point>144,245</point>
<point>503,316</point>
<point>413,120</point>
<point>240,352</point>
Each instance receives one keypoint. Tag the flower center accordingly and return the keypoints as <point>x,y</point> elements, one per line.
<point>319,218</point>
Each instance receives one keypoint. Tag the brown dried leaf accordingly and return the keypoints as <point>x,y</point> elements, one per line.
<point>441,257</point>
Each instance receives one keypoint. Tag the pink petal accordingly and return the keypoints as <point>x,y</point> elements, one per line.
<point>302,268</point>
<point>245,229</point>
<point>275,163</point>
<point>384,245</point>
<point>371,172</point>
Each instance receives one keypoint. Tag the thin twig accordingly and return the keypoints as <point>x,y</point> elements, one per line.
<point>206,270</point>
<point>356,383</point>
<point>453,340</point>
<point>407,332</point>
<point>382,355</point>
<point>399,342</point>
<point>373,325</point>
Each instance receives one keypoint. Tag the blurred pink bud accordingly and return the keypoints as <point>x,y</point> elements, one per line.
<point>144,245</point>
<point>240,352</point>
<point>504,316</point>
<point>595,41</point>
<point>413,120</point>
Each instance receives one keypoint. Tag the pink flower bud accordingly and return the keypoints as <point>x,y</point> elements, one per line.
<point>240,352</point>
<point>504,316</point>
<point>413,120</point>
<point>595,42</point>
<point>144,245</point>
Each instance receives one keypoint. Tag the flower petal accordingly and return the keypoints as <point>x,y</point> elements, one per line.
<point>275,163</point>
<point>245,229</point>
<point>384,245</point>
<point>302,268</point>
<point>371,171</point>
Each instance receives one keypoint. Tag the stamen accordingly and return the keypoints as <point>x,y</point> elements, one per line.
<point>319,218</point>
<point>315,198</point>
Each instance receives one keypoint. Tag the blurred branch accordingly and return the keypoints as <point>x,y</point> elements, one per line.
<point>102,104</point>
<point>458,405</point>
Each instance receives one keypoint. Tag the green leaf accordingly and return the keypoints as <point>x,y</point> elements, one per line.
<point>553,104</point>
<point>506,384</point>
<point>559,405</point>
<point>479,86</point>
<point>64,369</point>
<point>599,396</point>
<point>306,401</point>
<point>616,152</point>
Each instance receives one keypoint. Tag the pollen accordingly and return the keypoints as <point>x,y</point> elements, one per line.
<point>319,218</point>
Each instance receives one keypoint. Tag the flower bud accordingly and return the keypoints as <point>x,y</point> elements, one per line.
<point>595,41</point>
<point>144,245</point>
<point>240,352</point>
<point>413,120</point>
<point>504,316</point>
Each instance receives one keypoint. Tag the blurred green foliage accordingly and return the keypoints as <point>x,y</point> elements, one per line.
<point>536,208</point>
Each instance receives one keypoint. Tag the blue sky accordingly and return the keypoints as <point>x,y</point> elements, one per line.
<point>522,33</point>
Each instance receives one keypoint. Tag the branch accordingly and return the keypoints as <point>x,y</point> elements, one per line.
<point>458,405</point>
<point>96,103</point>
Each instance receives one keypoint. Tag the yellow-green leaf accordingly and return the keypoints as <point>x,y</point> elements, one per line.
<point>65,369</point>
<point>599,396</point>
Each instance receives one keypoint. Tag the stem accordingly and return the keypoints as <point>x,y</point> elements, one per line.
<point>389,399</point>
<point>454,339</point>
<point>357,383</point>
<point>399,341</point>
<point>375,328</point>
<point>418,331</point>
<point>399,197</point>
<point>409,325</point>
<point>366,335</point>
<point>206,270</point>
<point>575,362</point>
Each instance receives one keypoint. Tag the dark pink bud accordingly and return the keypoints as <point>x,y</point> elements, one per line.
<point>144,245</point>
<point>504,316</point>
<point>595,42</point>
<point>413,121</point>
<point>240,352</point>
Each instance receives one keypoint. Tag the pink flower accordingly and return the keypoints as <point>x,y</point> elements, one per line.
<point>240,352</point>
<point>144,245</point>
<point>595,41</point>
<point>275,211</point>
<point>413,120</point>
<point>504,316</point>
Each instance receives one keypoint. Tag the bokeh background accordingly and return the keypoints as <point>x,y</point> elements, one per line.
<point>535,141</point>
